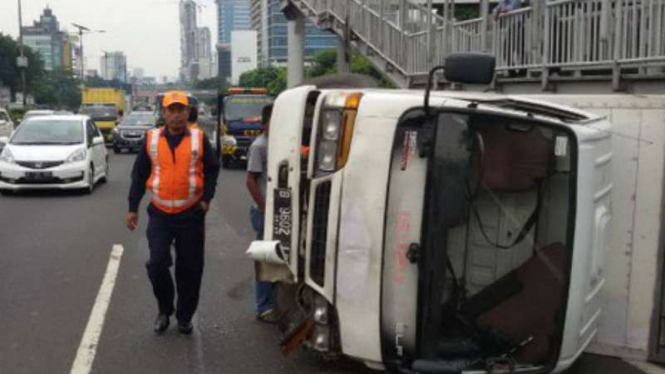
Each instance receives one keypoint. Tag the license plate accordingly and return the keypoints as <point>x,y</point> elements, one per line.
<point>283,218</point>
<point>38,175</point>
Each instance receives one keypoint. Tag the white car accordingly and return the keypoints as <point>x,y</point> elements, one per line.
<point>59,152</point>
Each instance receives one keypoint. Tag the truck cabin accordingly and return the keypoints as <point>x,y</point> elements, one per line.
<point>240,114</point>
<point>469,231</point>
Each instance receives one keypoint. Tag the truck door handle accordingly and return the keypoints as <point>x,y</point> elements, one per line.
<point>413,254</point>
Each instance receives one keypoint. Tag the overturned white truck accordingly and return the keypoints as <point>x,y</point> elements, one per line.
<point>442,232</point>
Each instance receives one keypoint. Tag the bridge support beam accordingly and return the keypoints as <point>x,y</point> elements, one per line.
<point>342,66</point>
<point>296,50</point>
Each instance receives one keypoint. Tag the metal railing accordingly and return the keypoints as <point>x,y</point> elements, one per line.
<point>570,34</point>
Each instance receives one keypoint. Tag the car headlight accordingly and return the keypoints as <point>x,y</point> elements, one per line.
<point>115,131</point>
<point>78,155</point>
<point>6,156</point>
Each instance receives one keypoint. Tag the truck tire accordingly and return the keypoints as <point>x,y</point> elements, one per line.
<point>226,162</point>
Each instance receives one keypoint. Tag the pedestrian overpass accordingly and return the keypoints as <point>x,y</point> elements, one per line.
<point>567,46</point>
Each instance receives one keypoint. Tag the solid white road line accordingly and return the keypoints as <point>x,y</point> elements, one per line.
<point>88,347</point>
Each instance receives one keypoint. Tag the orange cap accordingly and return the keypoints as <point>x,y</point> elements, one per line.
<point>175,97</point>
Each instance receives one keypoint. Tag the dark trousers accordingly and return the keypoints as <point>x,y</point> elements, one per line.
<point>187,230</point>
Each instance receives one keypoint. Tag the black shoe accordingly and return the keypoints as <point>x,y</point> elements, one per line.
<point>161,323</point>
<point>185,327</point>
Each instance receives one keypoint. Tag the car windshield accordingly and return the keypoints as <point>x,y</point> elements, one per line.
<point>40,131</point>
<point>241,106</point>
<point>103,112</point>
<point>138,119</point>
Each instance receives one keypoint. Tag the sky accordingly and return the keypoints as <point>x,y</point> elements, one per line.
<point>147,31</point>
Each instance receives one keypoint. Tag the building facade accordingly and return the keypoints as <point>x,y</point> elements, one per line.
<point>45,38</point>
<point>232,15</point>
<point>113,66</point>
<point>196,57</point>
<point>272,36</point>
<point>243,53</point>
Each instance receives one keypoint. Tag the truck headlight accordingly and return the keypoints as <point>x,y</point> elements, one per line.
<point>78,155</point>
<point>327,155</point>
<point>336,123</point>
<point>6,156</point>
<point>229,141</point>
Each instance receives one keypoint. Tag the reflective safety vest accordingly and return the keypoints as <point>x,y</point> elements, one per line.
<point>176,179</point>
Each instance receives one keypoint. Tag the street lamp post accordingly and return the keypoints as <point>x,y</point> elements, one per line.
<point>83,29</point>
<point>22,61</point>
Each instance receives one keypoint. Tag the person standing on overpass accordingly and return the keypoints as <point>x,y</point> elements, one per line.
<point>178,166</point>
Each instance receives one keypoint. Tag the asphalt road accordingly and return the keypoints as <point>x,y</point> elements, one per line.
<point>54,250</point>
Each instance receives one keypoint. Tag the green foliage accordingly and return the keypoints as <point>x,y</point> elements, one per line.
<point>464,12</point>
<point>10,75</point>
<point>272,78</point>
<point>209,84</point>
<point>323,63</point>
<point>361,65</point>
<point>58,90</point>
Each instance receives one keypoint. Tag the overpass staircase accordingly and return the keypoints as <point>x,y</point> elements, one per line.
<point>617,45</point>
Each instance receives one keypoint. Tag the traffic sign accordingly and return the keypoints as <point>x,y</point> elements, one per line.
<point>22,61</point>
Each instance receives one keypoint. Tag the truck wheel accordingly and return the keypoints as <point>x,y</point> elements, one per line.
<point>117,150</point>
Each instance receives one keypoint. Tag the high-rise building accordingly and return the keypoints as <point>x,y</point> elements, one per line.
<point>232,15</point>
<point>196,58</point>
<point>271,27</point>
<point>188,33</point>
<point>45,37</point>
<point>113,66</point>
<point>259,22</point>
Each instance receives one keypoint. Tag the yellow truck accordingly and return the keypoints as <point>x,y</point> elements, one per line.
<point>105,106</point>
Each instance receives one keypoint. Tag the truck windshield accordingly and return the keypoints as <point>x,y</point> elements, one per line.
<point>237,107</point>
<point>100,112</point>
<point>494,250</point>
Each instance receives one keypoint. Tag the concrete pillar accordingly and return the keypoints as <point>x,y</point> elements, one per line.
<point>484,13</point>
<point>342,66</point>
<point>296,50</point>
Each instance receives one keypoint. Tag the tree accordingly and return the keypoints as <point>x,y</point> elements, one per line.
<point>58,89</point>
<point>10,75</point>
<point>323,63</point>
<point>209,84</point>
<point>272,78</point>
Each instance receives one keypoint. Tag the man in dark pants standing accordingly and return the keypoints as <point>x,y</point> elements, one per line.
<point>178,166</point>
